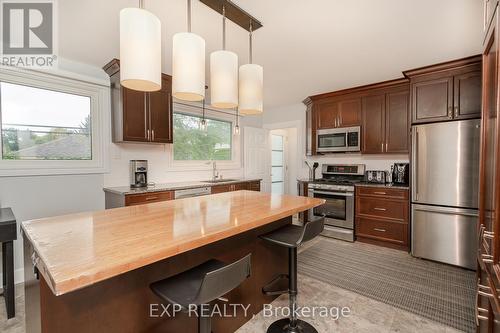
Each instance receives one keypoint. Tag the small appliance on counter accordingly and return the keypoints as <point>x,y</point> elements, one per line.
<point>375,176</point>
<point>138,173</point>
<point>401,174</point>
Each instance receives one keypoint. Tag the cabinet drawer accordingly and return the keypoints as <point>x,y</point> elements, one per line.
<point>139,199</point>
<point>382,208</point>
<point>386,192</point>
<point>221,189</point>
<point>382,230</point>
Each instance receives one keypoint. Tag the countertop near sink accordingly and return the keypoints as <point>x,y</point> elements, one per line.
<point>126,190</point>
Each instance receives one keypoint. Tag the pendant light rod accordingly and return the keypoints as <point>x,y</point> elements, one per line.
<point>233,13</point>
<point>224,27</point>
<point>250,58</point>
<point>189,15</point>
<point>141,4</point>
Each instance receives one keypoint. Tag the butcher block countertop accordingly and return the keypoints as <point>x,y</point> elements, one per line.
<point>78,250</point>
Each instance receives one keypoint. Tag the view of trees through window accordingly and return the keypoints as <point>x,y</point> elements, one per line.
<point>49,125</point>
<point>192,143</point>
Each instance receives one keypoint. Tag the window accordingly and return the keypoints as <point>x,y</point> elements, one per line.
<point>191,143</point>
<point>53,123</point>
<point>41,124</point>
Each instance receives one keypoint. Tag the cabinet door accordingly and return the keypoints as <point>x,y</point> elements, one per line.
<point>373,124</point>
<point>396,122</point>
<point>309,131</point>
<point>221,189</point>
<point>349,112</point>
<point>327,114</point>
<point>467,95</point>
<point>432,100</point>
<point>240,187</point>
<point>135,115</point>
<point>160,107</point>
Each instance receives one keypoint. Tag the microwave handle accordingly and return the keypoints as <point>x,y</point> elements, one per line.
<point>333,193</point>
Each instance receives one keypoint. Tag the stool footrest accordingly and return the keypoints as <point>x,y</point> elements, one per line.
<point>278,286</point>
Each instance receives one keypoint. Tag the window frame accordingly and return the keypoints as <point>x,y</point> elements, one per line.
<point>99,115</point>
<point>199,165</point>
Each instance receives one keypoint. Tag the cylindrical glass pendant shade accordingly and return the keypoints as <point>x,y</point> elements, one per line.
<point>224,79</point>
<point>188,67</point>
<point>140,50</point>
<point>251,89</point>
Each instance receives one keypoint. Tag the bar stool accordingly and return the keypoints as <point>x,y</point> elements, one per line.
<point>201,285</point>
<point>291,236</point>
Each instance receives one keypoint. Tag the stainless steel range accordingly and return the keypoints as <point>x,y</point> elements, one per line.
<point>337,188</point>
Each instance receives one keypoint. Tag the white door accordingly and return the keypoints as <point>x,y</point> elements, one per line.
<point>278,164</point>
<point>256,147</point>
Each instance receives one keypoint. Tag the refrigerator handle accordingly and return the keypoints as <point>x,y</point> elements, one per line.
<point>415,165</point>
<point>461,212</point>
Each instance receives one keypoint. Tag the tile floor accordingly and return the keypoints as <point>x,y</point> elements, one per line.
<point>366,314</point>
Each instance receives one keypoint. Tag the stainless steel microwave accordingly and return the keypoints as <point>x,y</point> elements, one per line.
<point>338,140</point>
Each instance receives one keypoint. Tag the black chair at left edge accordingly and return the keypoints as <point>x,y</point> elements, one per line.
<point>291,236</point>
<point>8,234</point>
<point>203,284</point>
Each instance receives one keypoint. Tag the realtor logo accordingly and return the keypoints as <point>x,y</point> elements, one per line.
<point>28,32</point>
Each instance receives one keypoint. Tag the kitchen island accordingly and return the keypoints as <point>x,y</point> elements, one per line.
<point>90,272</point>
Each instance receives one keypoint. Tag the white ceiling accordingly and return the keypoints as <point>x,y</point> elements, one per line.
<point>306,47</point>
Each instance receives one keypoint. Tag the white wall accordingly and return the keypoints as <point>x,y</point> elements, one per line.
<point>295,114</point>
<point>43,196</point>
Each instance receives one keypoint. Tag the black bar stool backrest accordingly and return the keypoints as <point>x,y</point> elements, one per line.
<point>312,229</point>
<point>221,281</point>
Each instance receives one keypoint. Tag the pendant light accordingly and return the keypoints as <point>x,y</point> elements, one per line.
<point>140,49</point>
<point>224,74</point>
<point>188,64</point>
<point>203,121</point>
<point>237,125</point>
<point>251,84</point>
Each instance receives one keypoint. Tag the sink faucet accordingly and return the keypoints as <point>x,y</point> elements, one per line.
<point>215,173</point>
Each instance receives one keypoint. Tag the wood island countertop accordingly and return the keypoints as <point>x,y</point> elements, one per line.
<point>78,250</point>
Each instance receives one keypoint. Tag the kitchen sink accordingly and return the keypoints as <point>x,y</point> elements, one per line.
<point>215,181</point>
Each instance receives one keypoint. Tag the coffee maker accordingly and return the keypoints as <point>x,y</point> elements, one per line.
<point>401,174</point>
<point>138,173</point>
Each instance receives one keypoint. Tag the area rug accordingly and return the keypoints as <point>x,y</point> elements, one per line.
<point>435,291</point>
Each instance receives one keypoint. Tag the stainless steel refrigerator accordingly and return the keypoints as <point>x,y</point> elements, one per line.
<point>445,183</point>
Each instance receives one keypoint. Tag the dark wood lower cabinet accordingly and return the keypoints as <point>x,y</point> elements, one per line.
<point>382,216</point>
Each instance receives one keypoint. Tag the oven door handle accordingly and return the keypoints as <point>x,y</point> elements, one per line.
<point>333,193</point>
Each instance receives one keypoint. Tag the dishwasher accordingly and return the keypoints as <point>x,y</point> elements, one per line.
<point>192,192</point>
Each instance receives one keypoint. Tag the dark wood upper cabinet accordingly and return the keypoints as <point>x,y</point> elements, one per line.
<point>432,100</point>
<point>373,124</point>
<point>467,95</point>
<point>397,121</point>
<point>160,106</point>
<point>140,116</point>
<point>349,112</point>
<point>135,120</point>
<point>327,114</point>
<point>446,91</point>
<point>385,119</point>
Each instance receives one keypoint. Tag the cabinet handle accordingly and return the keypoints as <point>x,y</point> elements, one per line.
<point>378,229</point>
<point>153,135</point>
<point>380,209</point>
<point>151,198</point>
<point>340,121</point>
<point>450,112</point>
<point>146,134</point>
<point>386,147</point>
<point>382,144</point>
<point>487,258</point>
<point>381,193</point>
<point>456,111</point>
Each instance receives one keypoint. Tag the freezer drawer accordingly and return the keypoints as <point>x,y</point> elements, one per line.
<point>446,163</point>
<point>445,234</point>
